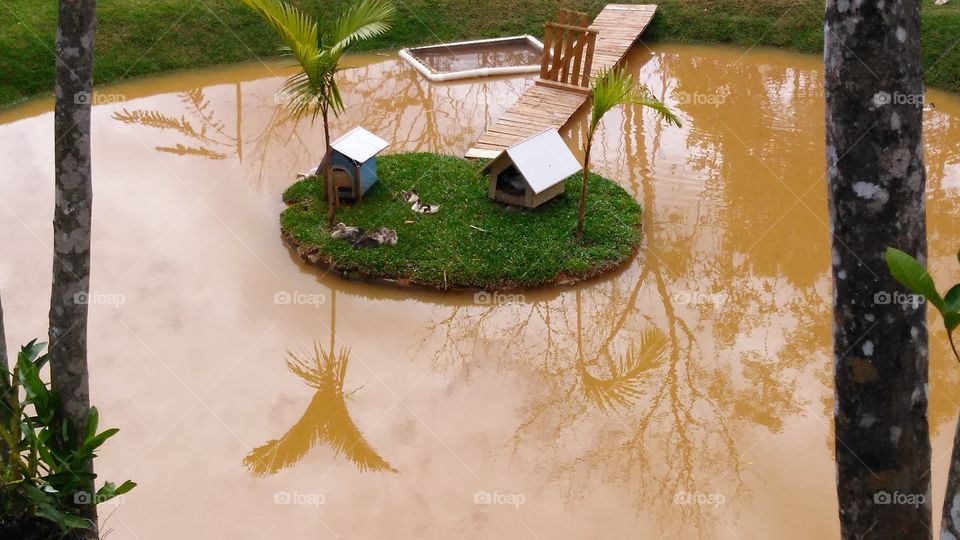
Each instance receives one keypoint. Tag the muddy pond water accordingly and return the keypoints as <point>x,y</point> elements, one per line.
<point>687,396</point>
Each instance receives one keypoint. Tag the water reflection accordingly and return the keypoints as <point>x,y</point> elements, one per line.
<point>208,141</point>
<point>383,94</point>
<point>701,369</point>
<point>326,421</point>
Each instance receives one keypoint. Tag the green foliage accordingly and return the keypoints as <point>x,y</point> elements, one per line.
<point>472,241</point>
<point>135,37</point>
<point>43,475</point>
<point>615,87</point>
<point>314,90</point>
<point>612,88</point>
<point>912,275</point>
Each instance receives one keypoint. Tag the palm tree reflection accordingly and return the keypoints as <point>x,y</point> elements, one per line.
<point>325,422</point>
<point>208,141</point>
<point>626,375</point>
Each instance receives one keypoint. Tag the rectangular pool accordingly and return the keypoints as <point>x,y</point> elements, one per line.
<point>468,59</point>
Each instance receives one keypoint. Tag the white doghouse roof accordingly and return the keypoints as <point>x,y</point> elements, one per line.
<point>544,160</point>
<point>359,144</point>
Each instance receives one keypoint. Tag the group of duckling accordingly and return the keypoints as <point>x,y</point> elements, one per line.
<point>413,198</point>
<point>361,238</point>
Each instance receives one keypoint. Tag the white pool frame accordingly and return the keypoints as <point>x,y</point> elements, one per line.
<point>471,73</point>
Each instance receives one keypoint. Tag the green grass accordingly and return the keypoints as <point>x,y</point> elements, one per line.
<point>516,248</point>
<point>137,37</point>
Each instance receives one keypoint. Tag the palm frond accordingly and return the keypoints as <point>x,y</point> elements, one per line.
<point>623,385</point>
<point>326,421</point>
<point>298,31</point>
<point>315,89</point>
<point>363,20</point>
<point>301,35</point>
<point>642,96</point>
<point>615,87</point>
<point>182,150</point>
<point>612,88</point>
<point>158,120</point>
<point>278,454</point>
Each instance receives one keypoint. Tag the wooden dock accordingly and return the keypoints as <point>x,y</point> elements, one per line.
<point>574,55</point>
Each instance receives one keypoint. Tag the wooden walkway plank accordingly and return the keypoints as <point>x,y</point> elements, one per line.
<point>541,107</point>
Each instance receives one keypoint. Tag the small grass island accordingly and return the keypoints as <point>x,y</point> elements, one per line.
<point>472,242</point>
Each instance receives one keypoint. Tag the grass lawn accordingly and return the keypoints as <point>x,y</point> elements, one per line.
<point>515,248</point>
<point>136,37</point>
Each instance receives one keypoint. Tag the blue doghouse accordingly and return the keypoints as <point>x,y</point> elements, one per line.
<point>354,163</point>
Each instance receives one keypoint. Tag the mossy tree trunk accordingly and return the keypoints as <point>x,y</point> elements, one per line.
<point>876,176</point>
<point>5,366</point>
<point>950,525</point>
<point>4,362</point>
<point>76,27</point>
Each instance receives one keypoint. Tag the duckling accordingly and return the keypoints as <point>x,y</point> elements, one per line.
<point>390,237</point>
<point>308,174</point>
<point>410,197</point>
<point>421,208</point>
<point>929,107</point>
<point>342,232</point>
<point>379,237</point>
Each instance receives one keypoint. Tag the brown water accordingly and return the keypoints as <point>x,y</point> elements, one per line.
<point>450,59</point>
<point>687,396</point>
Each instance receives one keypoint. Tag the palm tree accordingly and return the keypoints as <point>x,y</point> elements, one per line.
<point>314,90</point>
<point>614,87</point>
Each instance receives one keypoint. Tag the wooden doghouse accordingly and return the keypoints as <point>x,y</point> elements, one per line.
<point>354,163</point>
<point>532,172</point>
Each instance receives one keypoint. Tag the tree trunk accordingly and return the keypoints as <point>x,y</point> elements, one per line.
<point>76,26</point>
<point>5,366</point>
<point>333,198</point>
<point>582,211</point>
<point>874,93</point>
<point>4,361</point>
<point>950,526</point>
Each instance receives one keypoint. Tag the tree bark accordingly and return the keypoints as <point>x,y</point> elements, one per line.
<point>5,366</point>
<point>76,26</point>
<point>4,361</point>
<point>950,526</point>
<point>874,91</point>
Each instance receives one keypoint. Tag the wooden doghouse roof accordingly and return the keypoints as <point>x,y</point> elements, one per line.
<point>544,160</point>
<point>359,144</point>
